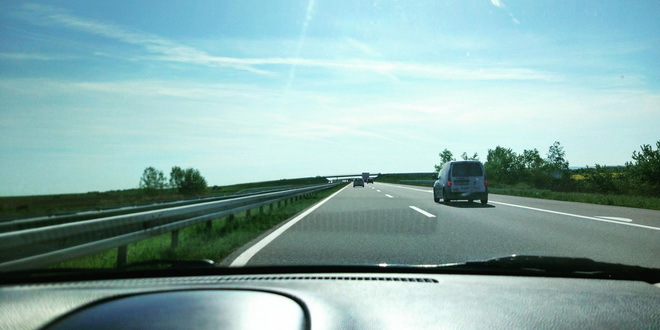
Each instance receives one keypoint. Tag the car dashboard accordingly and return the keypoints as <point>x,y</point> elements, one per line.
<point>331,301</point>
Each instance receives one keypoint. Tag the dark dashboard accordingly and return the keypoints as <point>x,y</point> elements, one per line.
<point>331,301</point>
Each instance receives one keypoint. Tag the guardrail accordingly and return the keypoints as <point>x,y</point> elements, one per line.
<point>42,221</point>
<point>44,246</point>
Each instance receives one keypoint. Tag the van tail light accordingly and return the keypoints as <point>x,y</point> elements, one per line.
<point>486,183</point>
<point>448,183</point>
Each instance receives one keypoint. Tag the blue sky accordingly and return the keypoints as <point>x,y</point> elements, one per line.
<point>92,92</point>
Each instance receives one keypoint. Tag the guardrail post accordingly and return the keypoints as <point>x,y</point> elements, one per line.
<point>209,225</point>
<point>122,251</point>
<point>270,208</point>
<point>261,209</point>
<point>248,213</point>
<point>175,238</point>
<point>229,223</point>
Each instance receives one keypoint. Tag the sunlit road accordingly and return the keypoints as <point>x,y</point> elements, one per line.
<point>384,223</point>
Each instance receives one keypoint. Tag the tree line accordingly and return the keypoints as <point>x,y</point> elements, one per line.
<point>504,167</point>
<point>187,182</point>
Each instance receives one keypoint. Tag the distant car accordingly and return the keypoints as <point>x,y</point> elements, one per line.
<point>358,182</point>
<point>370,180</point>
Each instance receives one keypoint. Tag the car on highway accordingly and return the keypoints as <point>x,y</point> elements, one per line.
<point>465,180</point>
<point>165,164</point>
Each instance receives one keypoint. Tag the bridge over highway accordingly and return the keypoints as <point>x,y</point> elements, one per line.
<point>363,175</point>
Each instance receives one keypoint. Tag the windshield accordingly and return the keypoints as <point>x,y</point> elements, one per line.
<point>466,169</point>
<point>311,132</point>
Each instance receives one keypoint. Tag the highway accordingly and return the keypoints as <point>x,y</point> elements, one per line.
<point>397,224</point>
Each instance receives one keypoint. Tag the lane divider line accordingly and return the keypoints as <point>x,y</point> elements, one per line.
<point>422,211</point>
<point>578,216</point>
<point>243,259</point>
<point>390,196</point>
<point>614,218</point>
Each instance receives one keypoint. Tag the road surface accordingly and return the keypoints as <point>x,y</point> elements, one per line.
<point>397,224</point>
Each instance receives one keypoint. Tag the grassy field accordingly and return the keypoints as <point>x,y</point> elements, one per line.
<point>198,242</point>
<point>30,206</point>
<point>643,202</point>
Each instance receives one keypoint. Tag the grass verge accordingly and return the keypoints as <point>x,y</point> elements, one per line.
<point>651,203</point>
<point>198,242</point>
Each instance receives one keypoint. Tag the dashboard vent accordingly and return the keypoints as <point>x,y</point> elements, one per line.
<point>329,278</point>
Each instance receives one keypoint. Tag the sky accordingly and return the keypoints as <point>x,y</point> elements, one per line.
<point>93,92</point>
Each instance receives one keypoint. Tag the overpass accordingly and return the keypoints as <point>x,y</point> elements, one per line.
<point>364,175</point>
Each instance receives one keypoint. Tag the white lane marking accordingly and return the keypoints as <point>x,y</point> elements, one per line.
<point>378,190</point>
<point>614,218</point>
<point>422,190</point>
<point>422,211</point>
<point>577,216</point>
<point>390,196</point>
<point>243,259</point>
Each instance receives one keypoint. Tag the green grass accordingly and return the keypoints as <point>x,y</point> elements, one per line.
<point>652,203</point>
<point>198,242</point>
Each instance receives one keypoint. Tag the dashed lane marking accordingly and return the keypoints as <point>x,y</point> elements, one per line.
<point>422,211</point>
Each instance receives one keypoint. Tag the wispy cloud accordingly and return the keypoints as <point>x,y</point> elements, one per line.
<point>363,47</point>
<point>166,50</point>
<point>497,3</point>
<point>32,57</point>
<point>309,14</point>
<point>500,4</point>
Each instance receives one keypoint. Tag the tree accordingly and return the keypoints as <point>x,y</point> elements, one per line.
<point>152,180</point>
<point>503,165</point>
<point>176,177</point>
<point>445,156</point>
<point>646,168</point>
<point>534,167</point>
<point>465,156</point>
<point>188,182</point>
<point>556,159</point>
<point>601,179</point>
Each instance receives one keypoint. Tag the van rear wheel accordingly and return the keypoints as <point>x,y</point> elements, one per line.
<point>484,201</point>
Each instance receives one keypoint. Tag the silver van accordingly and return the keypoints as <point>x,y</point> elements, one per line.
<point>464,180</point>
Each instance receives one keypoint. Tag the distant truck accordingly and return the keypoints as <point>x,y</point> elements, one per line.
<point>365,176</point>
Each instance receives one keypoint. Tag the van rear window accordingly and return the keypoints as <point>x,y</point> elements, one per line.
<point>467,169</point>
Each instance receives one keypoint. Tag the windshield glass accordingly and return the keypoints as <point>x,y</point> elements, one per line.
<point>255,133</point>
<point>466,169</point>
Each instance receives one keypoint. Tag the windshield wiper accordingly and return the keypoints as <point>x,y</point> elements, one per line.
<point>558,266</point>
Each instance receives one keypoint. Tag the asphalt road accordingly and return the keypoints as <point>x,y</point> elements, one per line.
<point>396,224</point>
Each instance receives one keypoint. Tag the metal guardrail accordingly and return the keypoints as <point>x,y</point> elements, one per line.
<point>44,246</point>
<point>42,221</point>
